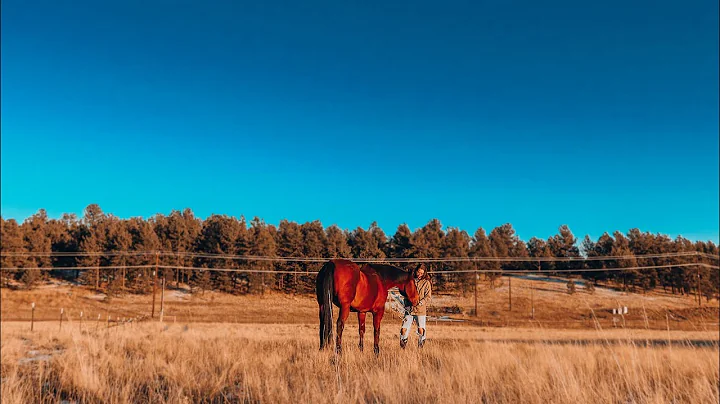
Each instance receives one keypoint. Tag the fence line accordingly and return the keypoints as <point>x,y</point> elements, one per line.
<point>359,260</point>
<point>260,271</point>
<point>76,268</point>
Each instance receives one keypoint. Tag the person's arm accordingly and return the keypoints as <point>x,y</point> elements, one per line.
<point>427,295</point>
<point>407,306</point>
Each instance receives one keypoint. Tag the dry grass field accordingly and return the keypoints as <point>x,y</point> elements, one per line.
<point>221,348</point>
<point>201,362</point>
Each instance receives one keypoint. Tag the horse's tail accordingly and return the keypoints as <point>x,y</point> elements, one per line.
<point>325,290</point>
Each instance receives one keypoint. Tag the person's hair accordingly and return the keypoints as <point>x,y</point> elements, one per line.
<point>426,275</point>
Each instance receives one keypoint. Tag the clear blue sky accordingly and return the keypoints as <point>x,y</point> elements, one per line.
<point>599,115</point>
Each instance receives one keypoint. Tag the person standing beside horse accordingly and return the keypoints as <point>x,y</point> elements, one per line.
<point>417,313</point>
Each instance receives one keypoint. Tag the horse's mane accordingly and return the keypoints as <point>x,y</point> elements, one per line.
<point>390,272</point>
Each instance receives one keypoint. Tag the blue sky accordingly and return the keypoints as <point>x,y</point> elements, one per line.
<point>602,116</point>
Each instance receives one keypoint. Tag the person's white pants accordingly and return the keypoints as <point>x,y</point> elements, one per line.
<point>407,323</point>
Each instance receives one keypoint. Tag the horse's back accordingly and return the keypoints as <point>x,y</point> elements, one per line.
<point>347,276</point>
<point>354,285</point>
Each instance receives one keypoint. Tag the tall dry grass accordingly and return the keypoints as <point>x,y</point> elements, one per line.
<point>281,363</point>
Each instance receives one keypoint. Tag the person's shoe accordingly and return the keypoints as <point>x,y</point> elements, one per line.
<point>403,343</point>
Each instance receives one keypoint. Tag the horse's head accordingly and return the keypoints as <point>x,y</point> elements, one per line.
<point>409,290</point>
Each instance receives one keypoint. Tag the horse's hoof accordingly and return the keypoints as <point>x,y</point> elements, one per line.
<point>403,343</point>
<point>361,348</point>
<point>377,351</point>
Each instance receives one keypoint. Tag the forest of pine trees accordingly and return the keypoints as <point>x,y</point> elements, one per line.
<point>182,232</point>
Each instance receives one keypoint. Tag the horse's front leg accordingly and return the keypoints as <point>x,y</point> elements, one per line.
<point>361,328</point>
<point>377,318</point>
<point>344,313</point>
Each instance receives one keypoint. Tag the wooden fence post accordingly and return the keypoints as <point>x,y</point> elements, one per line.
<point>698,282</point>
<point>510,291</point>
<point>477,276</point>
<point>162,300</point>
<point>532,300</point>
<point>155,274</point>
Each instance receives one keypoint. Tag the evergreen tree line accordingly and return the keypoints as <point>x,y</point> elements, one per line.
<point>182,232</point>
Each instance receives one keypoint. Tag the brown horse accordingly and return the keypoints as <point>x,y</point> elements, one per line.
<point>359,289</point>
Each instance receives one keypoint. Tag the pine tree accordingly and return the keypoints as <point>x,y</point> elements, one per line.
<point>35,235</point>
<point>603,248</point>
<point>337,245</point>
<point>168,230</point>
<point>539,248</point>
<point>506,243</point>
<point>664,244</point>
<point>562,245</point>
<point>400,245</point>
<point>145,241</point>
<point>430,239</point>
<point>11,241</point>
<point>63,237</point>
<point>713,276</point>
<point>92,239</point>
<point>93,215</point>
<point>314,244</point>
<point>119,240</point>
<point>456,243</point>
<point>193,227</point>
<point>201,280</point>
<point>481,247</point>
<point>380,238</point>
<point>587,246</point>
<point>427,242</point>
<point>364,244</point>
<point>243,245</point>
<point>263,245</point>
<point>642,244</point>
<point>90,246</point>
<point>621,247</point>
<point>219,235</point>
<point>289,244</point>
<point>178,233</point>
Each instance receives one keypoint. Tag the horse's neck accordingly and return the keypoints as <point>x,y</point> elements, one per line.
<point>385,279</point>
<point>389,284</point>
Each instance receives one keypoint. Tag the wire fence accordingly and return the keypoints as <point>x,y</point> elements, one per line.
<point>406,260</point>
<point>459,282</point>
<point>270,271</point>
<point>360,260</point>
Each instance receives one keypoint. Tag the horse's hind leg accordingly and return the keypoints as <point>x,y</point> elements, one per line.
<point>361,327</point>
<point>344,313</point>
